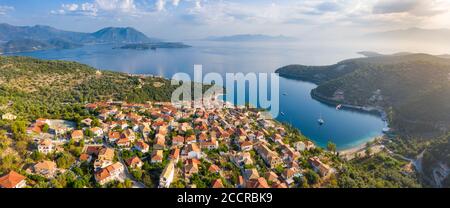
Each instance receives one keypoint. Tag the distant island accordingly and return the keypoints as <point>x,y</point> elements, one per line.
<point>376,54</point>
<point>153,46</point>
<point>14,39</point>
<point>250,38</point>
<point>412,34</point>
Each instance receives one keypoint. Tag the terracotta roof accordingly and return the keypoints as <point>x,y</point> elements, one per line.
<point>214,168</point>
<point>11,179</point>
<point>77,134</point>
<point>134,160</point>
<point>45,165</point>
<point>84,157</point>
<point>217,184</point>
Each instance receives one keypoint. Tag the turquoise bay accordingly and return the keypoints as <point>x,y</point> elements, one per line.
<point>346,128</point>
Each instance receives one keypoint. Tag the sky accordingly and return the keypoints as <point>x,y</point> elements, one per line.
<point>191,19</point>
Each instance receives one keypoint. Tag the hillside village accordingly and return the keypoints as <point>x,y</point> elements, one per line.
<point>159,145</point>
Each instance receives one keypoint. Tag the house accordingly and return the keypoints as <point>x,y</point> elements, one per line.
<point>279,185</point>
<point>77,135</point>
<point>300,146</point>
<point>85,157</point>
<point>106,154</point>
<point>251,174</point>
<point>160,142</point>
<point>214,169</point>
<point>123,143</point>
<point>45,146</point>
<point>135,162</point>
<point>175,155</point>
<point>289,174</point>
<point>87,122</point>
<point>178,140</point>
<point>242,158</point>
<point>289,153</point>
<point>320,167</point>
<point>192,151</point>
<point>109,173</point>
<point>190,139</point>
<point>45,168</point>
<point>113,136</point>
<point>98,132</point>
<point>9,116</point>
<point>270,157</point>
<point>167,175</point>
<point>191,167</point>
<point>257,183</point>
<point>217,184</point>
<point>129,134</point>
<point>246,146</point>
<point>272,177</point>
<point>12,180</point>
<point>157,156</point>
<point>309,145</point>
<point>141,146</point>
<point>210,144</point>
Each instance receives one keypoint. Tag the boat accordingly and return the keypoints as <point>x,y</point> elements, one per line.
<point>282,113</point>
<point>320,121</point>
<point>285,94</point>
<point>339,107</point>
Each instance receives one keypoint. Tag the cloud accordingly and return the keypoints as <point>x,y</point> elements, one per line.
<point>104,7</point>
<point>160,5</point>
<point>412,7</point>
<point>4,9</point>
<point>175,2</point>
<point>84,9</point>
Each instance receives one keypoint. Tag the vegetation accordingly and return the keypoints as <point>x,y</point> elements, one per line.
<point>413,89</point>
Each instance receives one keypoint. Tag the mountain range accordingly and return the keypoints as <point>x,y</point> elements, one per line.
<point>40,37</point>
<point>250,38</point>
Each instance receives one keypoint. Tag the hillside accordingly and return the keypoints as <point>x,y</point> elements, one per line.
<point>24,45</point>
<point>414,90</point>
<point>39,37</point>
<point>32,88</point>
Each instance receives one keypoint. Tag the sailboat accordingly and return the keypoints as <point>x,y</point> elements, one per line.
<point>320,120</point>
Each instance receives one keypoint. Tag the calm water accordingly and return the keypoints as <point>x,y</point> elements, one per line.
<point>345,128</point>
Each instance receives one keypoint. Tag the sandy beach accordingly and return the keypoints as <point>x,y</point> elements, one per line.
<point>360,149</point>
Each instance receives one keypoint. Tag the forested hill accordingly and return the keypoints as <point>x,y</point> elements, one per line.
<point>414,89</point>
<point>32,88</point>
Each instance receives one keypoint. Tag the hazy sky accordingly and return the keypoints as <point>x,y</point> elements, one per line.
<point>185,19</point>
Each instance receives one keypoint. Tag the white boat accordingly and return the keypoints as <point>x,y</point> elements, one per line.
<point>339,107</point>
<point>282,113</point>
<point>320,120</point>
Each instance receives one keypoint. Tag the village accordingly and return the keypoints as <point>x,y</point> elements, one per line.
<point>158,145</point>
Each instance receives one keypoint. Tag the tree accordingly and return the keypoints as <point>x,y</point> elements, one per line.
<point>312,177</point>
<point>64,160</point>
<point>368,151</point>
<point>331,146</point>
<point>45,128</point>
